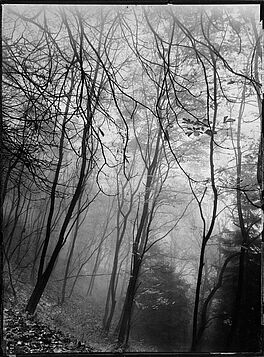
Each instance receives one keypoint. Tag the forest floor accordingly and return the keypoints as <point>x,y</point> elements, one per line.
<point>73,327</point>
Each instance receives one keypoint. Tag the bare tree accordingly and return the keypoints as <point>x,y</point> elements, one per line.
<point>74,88</point>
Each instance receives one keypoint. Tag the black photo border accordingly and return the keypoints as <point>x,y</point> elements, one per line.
<point>130,354</point>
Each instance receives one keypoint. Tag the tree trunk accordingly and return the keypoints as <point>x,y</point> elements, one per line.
<point>240,284</point>
<point>37,248</point>
<point>18,210</point>
<point>99,251</point>
<point>44,277</point>
<point>71,252</point>
<point>203,321</point>
<point>53,195</point>
<point>206,236</point>
<point>111,295</point>
<point>111,298</point>
<point>124,329</point>
<point>95,268</point>
<point>197,297</point>
<point>22,232</point>
<point>137,254</point>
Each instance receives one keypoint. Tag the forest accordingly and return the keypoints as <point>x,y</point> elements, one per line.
<point>131,177</point>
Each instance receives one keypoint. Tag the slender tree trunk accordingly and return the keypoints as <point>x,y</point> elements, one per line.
<point>37,248</point>
<point>18,210</point>
<point>53,197</point>
<point>197,297</point>
<point>122,294</point>
<point>7,262</point>
<point>98,255</point>
<point>124,329</point>
<point>95,269</point>
<point>44,277</point>
<point>111,299</point>
<point>79,271</point>
<point>111,295</point>
<point>137,255</point>
<point>206,236</point>
<point>23,230</point>
<point>75,234</point>
<point>231,341</point>
<point>210,296</point>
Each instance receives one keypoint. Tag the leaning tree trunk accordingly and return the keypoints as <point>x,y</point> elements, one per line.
<point>70,253</point>
<point>44,277</point>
